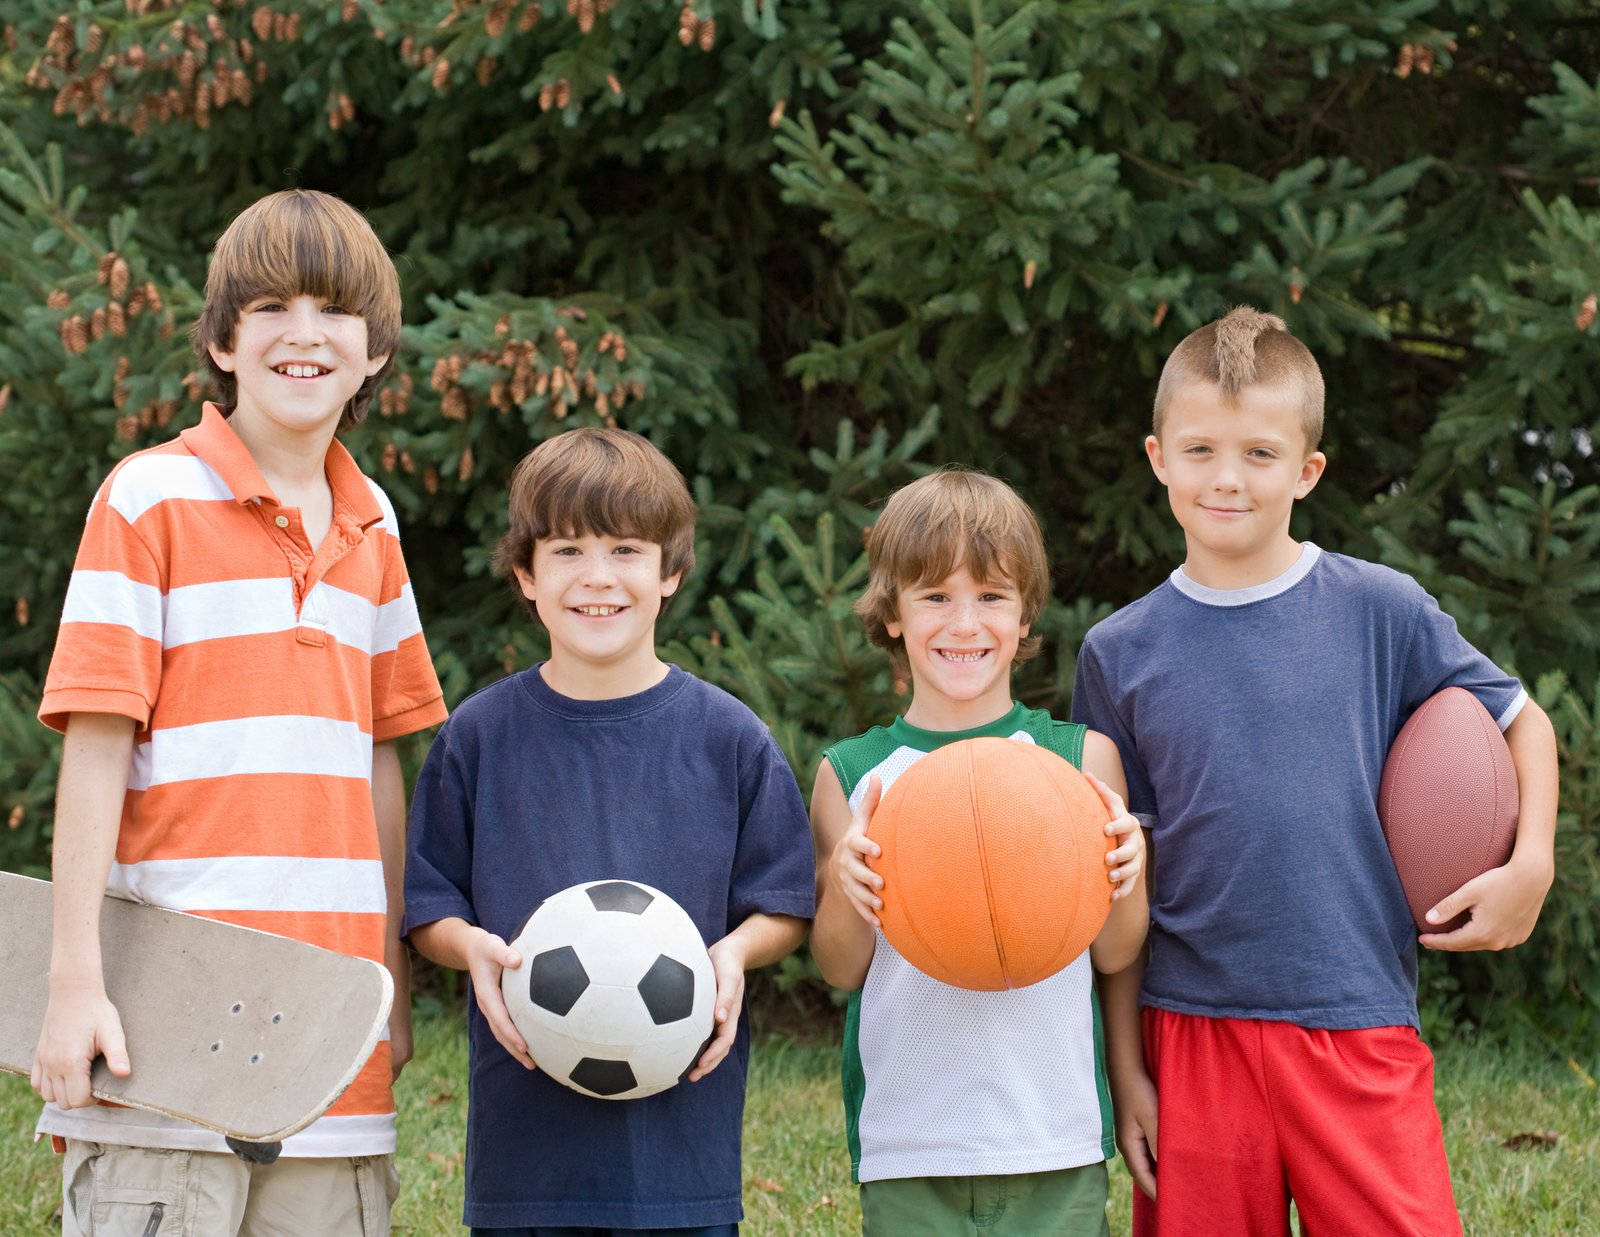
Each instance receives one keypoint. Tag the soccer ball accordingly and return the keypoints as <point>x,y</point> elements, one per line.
<point>615,992</point>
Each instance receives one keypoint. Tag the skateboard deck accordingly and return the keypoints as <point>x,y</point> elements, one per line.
<point>246,1033</point>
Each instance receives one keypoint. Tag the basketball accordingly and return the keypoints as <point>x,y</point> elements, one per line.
<point>615,992</point>
<point>1448,801</point>
<point>993,865</point>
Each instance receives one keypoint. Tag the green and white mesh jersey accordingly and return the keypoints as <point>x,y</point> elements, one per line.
<point>945,1082</point>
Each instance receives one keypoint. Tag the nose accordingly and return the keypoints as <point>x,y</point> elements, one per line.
<point>303,321</point>
<point>598,570</point>
<point>963,619</point>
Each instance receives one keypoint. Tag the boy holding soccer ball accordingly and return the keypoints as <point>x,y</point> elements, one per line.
<point>964,1109</point>
<point>603,762</point>
<point>1254,696</point>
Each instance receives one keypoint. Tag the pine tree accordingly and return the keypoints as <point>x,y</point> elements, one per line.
<point>813,249</point>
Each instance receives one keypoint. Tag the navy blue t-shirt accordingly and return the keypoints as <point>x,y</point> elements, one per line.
<point>526,792</point>
<point>1253,726</point>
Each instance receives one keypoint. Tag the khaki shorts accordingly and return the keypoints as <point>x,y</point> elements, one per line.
<point>115,1191</point>
<point>1069,1202</point>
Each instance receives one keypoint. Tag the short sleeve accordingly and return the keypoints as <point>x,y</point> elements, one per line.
<point>1094,705</point>
<point>439,852</point>
<point>1439,656</point>
<point>406,696</point>
<point>107,657</point>
<point>774,872</point>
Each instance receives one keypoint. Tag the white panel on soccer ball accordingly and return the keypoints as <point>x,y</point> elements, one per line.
<point>624,989</point>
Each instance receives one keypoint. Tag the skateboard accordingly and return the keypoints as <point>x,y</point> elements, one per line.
<point>246,1033</point>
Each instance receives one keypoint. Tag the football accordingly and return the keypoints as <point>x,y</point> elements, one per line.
<point>1448,801</point>
<point>993,864</point>
<point>615,992</point>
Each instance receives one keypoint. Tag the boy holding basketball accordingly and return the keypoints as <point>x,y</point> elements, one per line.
<point>964,1108</point>
<point>238,649</point>
<point>603,762</point>
<point>1253,697</point>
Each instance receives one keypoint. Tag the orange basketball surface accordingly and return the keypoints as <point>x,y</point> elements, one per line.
<point>993,863</point>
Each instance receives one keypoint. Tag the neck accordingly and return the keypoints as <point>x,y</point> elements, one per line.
<point>931,711</point>
<point>1235,573</point>
<point>586,681</point>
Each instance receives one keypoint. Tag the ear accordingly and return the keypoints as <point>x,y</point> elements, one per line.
<point>224,360</point>
<point>1310,474</point>
<point>1152,452</point>
<point>893,628</point>
<point>375,363</point>
<point>525,582</point>
<point>669,584</point>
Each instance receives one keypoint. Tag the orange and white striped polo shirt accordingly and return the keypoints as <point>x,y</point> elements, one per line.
<point>260,674</point>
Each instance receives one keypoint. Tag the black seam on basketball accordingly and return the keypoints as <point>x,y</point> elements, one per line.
<point>983,866</point>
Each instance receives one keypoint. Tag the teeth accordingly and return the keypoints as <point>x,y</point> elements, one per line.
<point>301,371</point>
<point>598,611</point>
<point>977,656</point>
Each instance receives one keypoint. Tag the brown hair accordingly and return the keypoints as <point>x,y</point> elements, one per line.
<point>293,243</point>
<point>597,482</point>
<point>1245,348</point>
<point>952,518</point>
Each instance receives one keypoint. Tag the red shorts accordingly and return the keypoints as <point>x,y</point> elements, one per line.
<point>1252,1114</point>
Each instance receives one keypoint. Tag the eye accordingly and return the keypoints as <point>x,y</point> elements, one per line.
<point>334,309</point>
<point>1263,453</point>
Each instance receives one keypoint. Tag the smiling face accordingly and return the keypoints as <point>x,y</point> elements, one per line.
<point>598,596</point>
<point>296,362</point>
<point>1233,469</point>
<point>960,637</point>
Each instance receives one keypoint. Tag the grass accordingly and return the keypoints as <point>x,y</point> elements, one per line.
<point>1547,1184</point>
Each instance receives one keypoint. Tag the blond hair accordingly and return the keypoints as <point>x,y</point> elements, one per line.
<point>952,518</point>
<point>1245,348</point>
<point>300,242</point>
<point>597,482</point>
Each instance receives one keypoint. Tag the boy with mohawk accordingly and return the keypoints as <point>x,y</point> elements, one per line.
<point>1254,696</point>
<point>964,1110</point>
<point>238,650</point>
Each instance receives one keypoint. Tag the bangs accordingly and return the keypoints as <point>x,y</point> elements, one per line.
<point>594,505</point>
<point>298,247</point>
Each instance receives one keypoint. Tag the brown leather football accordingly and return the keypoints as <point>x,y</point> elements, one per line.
<point>1448,801</point>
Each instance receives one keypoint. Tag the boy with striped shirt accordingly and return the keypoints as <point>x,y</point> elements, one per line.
<point>238,649</point>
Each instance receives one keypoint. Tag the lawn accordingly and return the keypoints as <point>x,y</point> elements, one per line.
<point>1523,1137</point>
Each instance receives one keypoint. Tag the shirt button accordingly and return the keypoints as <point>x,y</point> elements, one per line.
<point>282,521</point>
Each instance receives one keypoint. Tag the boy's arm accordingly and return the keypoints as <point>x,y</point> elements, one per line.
<point>1119,941</point>
<point>1505,901</point>
<point>759,941</point>
<point>1133,1093</point>
<point>466,947</point>
<point>843,934</point>
<point>80,1023</point>
<point>389,806</point>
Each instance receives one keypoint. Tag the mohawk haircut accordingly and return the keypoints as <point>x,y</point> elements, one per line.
<point>1245,348</point>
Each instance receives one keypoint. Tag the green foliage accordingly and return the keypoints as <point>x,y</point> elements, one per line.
<point>814,248</point>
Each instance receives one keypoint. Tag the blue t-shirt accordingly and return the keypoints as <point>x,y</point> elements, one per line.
<point>526,792</point>
<point>1253,726</point>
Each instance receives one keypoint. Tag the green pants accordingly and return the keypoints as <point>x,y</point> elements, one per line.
<point>1069,1201</point>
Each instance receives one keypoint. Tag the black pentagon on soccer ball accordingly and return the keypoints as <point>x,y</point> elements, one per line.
<point>620,896</point>
<point>603,1077</point>
<point>668,990</point>
<point>556,979</point>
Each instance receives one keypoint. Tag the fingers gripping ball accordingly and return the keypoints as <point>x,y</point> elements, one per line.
<point>615,993</point>
<point>993,863</point>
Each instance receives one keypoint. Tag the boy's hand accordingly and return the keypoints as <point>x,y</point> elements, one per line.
<point>1502,907</point>
<point>1126,862</point>
<point>1136,1110</point>
<point>487,957</point>
<point>80,1024</point>
<point>728,963</point>
<point>848,867</point>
